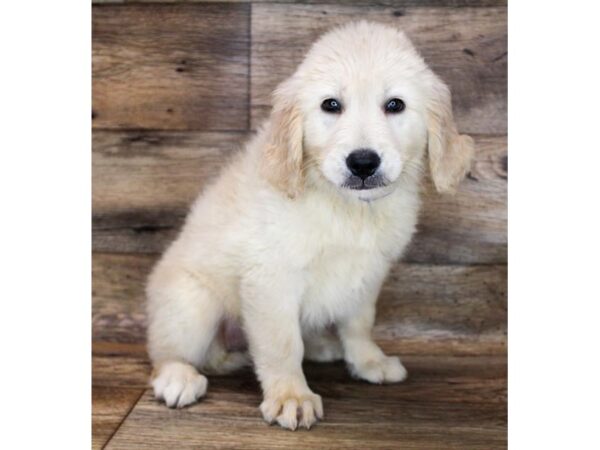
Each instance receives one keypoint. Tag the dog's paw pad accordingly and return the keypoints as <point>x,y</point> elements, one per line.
<point>179,384</point>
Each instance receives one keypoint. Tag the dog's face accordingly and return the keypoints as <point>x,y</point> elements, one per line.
<point>359,112</point>
<point>363,119</point>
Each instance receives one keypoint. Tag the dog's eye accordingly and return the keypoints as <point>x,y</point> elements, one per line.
<point>394,105</point>
<point>331,105</point>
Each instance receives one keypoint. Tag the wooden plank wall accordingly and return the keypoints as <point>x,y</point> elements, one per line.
<point>180,85</point>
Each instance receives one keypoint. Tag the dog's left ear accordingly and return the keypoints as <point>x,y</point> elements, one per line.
<point>450,153</point>
<point>283,152</point>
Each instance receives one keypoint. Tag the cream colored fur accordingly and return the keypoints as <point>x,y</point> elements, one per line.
<point>278,243</point>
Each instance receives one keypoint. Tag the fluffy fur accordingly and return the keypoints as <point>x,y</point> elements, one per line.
<point>280,244</point>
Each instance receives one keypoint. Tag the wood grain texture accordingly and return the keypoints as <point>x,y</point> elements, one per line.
<point>170,66</point>
<point>471,226</point>
<point>118,308</point>
<point>110,405</point>
<point>396,3</point>
<point>419,303</point>
<point>144,172</point>
<point>144,182</point>
<point>125,370</point>
<point>467,47</point>
<point>450,403</point>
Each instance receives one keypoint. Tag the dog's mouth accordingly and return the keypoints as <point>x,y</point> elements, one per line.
<point>358,184</point>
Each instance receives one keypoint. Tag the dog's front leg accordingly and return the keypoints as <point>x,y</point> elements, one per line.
<point>270,308</point>
<point>363,356</point>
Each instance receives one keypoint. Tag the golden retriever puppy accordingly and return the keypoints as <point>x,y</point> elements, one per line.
<point>300,230</point>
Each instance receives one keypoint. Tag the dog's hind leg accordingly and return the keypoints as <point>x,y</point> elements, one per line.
<point>322,346</point>
<point>220,361</point>
<point>183,318</point>
<point>228,351</point>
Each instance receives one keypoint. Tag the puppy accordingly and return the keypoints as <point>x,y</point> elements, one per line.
<point>300,230</point>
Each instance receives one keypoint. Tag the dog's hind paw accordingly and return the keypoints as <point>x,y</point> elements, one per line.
<point>388,369</point>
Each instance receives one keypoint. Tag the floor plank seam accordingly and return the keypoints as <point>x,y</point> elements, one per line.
<point>123,130</point>
<point>110,438</point>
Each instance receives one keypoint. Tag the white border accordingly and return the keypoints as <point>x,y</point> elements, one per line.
<point>554,224</point>
<point>45,307</point>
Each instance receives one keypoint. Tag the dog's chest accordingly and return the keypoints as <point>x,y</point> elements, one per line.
<point>349,260</point>
<point>338,280</point>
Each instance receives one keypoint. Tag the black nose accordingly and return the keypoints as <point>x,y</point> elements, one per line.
<point>363,163</point>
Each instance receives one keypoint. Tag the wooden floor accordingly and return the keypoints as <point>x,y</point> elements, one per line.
<point>448,402</point>
<point>178,86</point>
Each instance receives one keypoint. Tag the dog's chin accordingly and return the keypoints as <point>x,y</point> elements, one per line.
<point>371,194</point>
<point>371,189</point>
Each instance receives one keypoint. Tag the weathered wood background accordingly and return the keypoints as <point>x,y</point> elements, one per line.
<point>179,85</point>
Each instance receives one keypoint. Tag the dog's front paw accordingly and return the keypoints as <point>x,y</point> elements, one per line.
<point>388,369</point>
<point>179,384</point>
<point>291,410</point>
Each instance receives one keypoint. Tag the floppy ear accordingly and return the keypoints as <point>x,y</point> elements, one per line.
<point>450,154</point>
<point>283,152</point>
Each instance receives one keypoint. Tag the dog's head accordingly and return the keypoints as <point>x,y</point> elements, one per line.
<point>359,113</point>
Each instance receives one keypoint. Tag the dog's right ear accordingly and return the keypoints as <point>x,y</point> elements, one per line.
<point>450,153</point>
<point>283,153</point>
